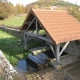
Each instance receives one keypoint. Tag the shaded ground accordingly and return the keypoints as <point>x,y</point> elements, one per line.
<point>69,72</point>
<point>47,74</point>
<point>72,71</point>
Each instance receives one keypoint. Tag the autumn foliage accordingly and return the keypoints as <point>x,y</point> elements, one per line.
<point>7,9</point>
<point>4,10</point>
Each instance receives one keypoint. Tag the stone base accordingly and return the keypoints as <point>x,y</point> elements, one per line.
<point>25,47</point>
<point>57,67</point>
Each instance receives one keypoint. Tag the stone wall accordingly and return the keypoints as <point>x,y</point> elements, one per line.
<point>13,32</point>
<point>7,72</point>
<point>73,48</point>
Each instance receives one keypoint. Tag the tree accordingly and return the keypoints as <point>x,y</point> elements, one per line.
<point>11,8</point>
<point>28,7</point>
<point>74,10</point>
<point>19,8</point>
<point>3,10</point>
<point>23,8</point>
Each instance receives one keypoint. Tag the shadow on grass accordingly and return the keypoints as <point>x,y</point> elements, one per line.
<point>13,49</point>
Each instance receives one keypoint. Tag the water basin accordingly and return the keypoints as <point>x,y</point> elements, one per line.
<point>21,66</point>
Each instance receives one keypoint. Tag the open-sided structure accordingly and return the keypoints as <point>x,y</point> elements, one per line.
<point>59,25</point>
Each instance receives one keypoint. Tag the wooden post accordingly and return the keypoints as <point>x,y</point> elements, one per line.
<point>37,27</point>
<point>57,48</point>
<point>50,45</point>
<point>25,42</point>
<point>26,39</point>
<point>53,50</point>
<point>63,48</point>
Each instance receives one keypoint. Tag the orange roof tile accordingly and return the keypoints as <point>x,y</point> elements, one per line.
<point>59,24</point>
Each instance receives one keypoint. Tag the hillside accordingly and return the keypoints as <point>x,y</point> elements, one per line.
<point>48,3</point>
<point>45,3</point>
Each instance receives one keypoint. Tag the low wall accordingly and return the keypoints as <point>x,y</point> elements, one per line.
<point>73,48</point>
<point>7,72</point>
<point>18,33</point>
<point>13,32</point>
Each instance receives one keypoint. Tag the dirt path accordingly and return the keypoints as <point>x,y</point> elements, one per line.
<point>69,72</point>
<point>47,74</point>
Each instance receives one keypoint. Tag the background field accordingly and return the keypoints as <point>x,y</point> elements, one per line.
<point>13,21</point>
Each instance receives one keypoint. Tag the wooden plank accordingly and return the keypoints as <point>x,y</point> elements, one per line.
<point>31,57</point>
<point>38,50</point>
<point>35,62</point>
<point>31,63</point>
<point>64,48</point>
<point>38,36</point>
<point>34,58</point>
<point>42,56</point>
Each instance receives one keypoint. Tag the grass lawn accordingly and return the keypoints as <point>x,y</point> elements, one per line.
<point>13,48</point>
<point>13,21</point>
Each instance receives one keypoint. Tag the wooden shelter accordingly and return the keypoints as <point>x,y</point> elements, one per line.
<point>59,26</point>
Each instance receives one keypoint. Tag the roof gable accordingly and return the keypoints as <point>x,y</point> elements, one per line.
<point>58,24</point>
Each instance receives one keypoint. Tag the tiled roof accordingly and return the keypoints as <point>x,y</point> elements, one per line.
<point>59,24</point>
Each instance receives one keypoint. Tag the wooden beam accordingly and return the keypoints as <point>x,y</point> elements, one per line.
<point>38,36</point>
<point>37,27</point>
<point>27,22</point>
<point>57,49</point>
<point>53,50</point>
<point>30,24</point>
<point>63,48</point>
<point>25,41</point>
<point>50,45</point>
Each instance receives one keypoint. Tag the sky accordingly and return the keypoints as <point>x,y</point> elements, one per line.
<point>73,1</point>
<point>25,2</point>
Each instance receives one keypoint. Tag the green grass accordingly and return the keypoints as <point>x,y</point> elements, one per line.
<point>13,47</point>
<point>42,32</point>
<point>1,79</point>
<point>13,21</point>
